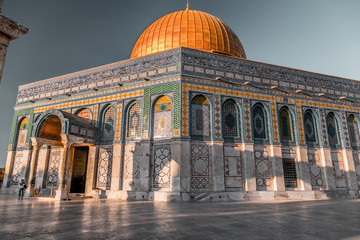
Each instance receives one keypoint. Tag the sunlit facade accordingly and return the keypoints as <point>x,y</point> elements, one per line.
<point>187,118</point>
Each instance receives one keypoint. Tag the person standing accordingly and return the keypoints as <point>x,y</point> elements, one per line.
<point>22,189</point>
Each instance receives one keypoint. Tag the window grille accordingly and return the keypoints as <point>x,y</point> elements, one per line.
<point>258,122</point>
<point>230,120</point>
<point>332,130</point>
<point>200,116</point>
<point>290,175</point>
<point>285,125</point>
<point>108,124</point>
<point>134,124</point>
<point>309,126</point>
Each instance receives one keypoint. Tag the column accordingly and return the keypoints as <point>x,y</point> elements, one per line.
<point>4,42</point>
<point>90,171</point>
<point>61,193</point>
<point>33,166</point>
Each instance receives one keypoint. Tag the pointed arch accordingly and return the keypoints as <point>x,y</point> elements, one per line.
<point>108,123</point>
<point>162,115</point>
<point>285,123</point>
<point>200,116</point>
<point>84,113</point>
<point>332,129</point>
<point>310,127</point>
<point>51,128</point>
<point>230,113</point>
<point>22,131</point>
<point>259,122</point>
<point>353,128</point>
<point>133,127</point>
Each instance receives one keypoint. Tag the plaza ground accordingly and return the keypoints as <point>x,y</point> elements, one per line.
<point>112,219</point>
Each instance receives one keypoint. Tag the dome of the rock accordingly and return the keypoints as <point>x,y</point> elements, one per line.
<point>191,29</point>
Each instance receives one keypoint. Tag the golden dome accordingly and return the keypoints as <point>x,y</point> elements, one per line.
<point>188,28</point>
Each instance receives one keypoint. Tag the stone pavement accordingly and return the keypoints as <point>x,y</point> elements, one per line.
<point>112,219</point>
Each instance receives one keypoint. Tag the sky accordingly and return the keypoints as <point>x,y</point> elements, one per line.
<point>66,36</point>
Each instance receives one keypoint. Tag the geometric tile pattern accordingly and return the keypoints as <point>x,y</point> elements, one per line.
<point>217,108</point>
<point>323,127</point>
<point>315,170</point>
<point>134,121</point>
<point>175,88</point>
<point>232,168</point>
<point>161,172</point>
<point>23,113</point>
<point>247,113</point>
<point>199,166</point>
<point>104,168</point>
<point>17,169</point>
<point>345,129</point>
<point>263,168</point>
<point>22,133</point>
<point>53,170</point>
<point>118,122</point>
<point>200,120</point>
<point>231,123</point>
<point>300,123</point>
<point>357,167</point>
<point>108,123</point>
<point>275,121</point>
<point>186,87</point>
<point>91,101</point>
<point>162,124</point>
<point>338,166</point>
<point>324,105</point>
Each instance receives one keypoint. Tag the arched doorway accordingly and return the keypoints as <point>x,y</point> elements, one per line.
<point>51,131</point>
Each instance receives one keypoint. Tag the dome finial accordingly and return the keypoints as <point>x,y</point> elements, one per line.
<point>187,5</point>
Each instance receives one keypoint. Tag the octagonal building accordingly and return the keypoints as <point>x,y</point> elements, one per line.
<point>187,118</point>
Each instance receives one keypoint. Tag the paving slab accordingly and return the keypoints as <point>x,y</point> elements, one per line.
<point>114,219</point>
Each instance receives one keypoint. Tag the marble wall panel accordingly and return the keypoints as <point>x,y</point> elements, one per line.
<point>199,166</point>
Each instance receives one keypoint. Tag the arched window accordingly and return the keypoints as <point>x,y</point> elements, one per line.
<point>134,123</point>
<point>84,113</point>
<point>200,116</point>
<point>309,127</point>
<point>22,133</point>
<point>332,130</point>
<point>163,118</point>
<point>108,121</point>
<point>51,128</point>
<point>230,120</point>
<point>259,122</point>
<point>285,125</point>
<point>353,130</point>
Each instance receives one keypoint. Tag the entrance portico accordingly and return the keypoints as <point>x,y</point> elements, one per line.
<point>75,138</point>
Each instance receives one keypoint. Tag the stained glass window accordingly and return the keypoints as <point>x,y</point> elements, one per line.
<point>332,129</point>
<point>285,125</point>
<point>258,123</point>
<point>108,124</point>
<point>200,116</point>
<point>134,124</point>
<point>22,133</point>
<point>309,127</point>
<point>230,118</point>
<point>353,130</point>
